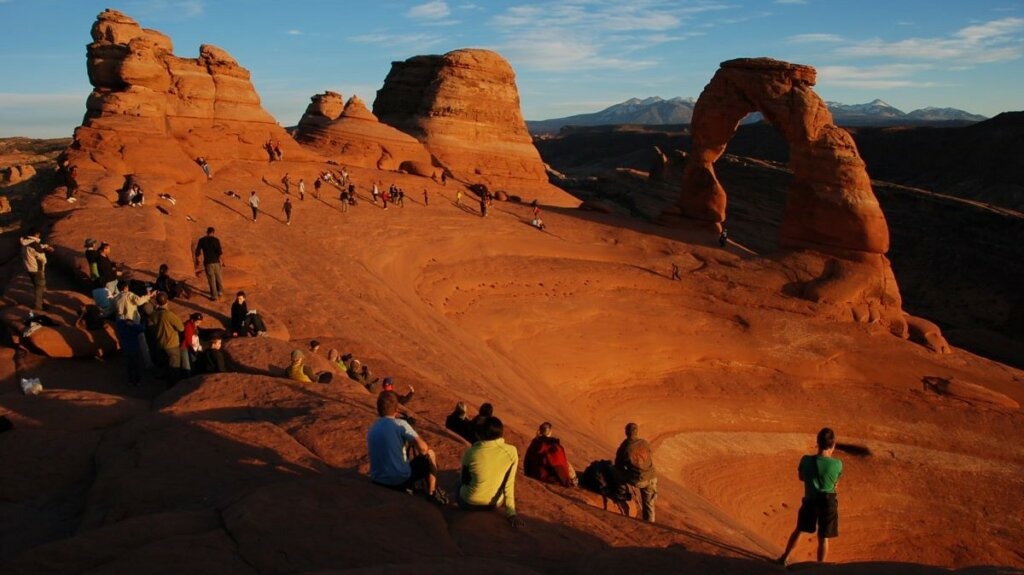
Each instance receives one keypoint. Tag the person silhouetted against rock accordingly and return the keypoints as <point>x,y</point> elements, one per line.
<point>675,272</point>
<point>167,330</point>
<point>287,211</point>
<point>105,266</point>
<point>634,460</point>
<point>33,258</point>
<point>130,337</point>
<point>91,257</point>
<point>723,238</point>
<point>387,443</point>
<point>545,459</point>
<point>170,286</point>
<point>459,422</point>
<point>486,410</point>
<point>819,510</point>
<point>488,477</point>
<point>213,260</point>
<point>213,356</point>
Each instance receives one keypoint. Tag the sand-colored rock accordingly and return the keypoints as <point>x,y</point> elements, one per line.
<point>927,334</point>
<point>464,106</point>
<point>831,206</point>
<point>355,137</point>
<point>13,175</point>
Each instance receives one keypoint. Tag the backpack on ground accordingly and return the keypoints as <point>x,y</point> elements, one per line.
<point>602,478</point>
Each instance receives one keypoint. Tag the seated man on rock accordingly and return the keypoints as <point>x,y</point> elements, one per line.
<point>545,459</point>
<point>299,371</point>
<point>459,422</point>
<point>170,286</point>
<point>488,477</point>
<point>387,443</point>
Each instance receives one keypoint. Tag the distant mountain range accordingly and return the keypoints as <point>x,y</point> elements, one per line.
<point>657,110</point>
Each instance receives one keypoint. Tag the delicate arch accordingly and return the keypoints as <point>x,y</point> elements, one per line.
<point>831,206</point>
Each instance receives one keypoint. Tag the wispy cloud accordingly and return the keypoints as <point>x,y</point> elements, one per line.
<point>875,77</point>
<point>294,32</point>
<point>814,38</point>
<point>402,40</point>
<point>994,41</point>
<point>790,2</point>
<point>594,34</point>
<point>435,10</point>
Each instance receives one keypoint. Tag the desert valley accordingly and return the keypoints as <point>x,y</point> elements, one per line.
<point>870,282</point>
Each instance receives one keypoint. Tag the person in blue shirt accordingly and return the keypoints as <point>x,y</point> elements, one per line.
<point>387,442</point>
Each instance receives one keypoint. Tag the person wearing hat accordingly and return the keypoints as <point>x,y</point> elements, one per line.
<point>91,258</point>
<point>299,371</point>
<point>389,385</point>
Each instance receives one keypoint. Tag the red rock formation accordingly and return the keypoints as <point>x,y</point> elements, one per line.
<point>464,106</point>
<point>831,207</point>
<point>354,136</point>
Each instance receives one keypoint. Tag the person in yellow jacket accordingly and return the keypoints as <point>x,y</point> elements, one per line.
<point>489,472</point>
<point>299,371</point>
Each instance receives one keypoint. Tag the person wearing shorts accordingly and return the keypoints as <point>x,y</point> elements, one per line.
<point>819,510</point>
<point>388,441</point>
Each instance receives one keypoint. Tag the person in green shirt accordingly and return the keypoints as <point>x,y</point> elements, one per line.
<point>819,510</point>
<point>489,472</point>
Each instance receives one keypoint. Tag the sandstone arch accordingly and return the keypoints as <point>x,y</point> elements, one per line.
<point>831,206</point>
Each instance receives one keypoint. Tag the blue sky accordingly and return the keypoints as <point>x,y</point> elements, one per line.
<point>572,56</point>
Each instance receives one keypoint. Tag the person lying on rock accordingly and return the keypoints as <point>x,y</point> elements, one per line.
<point>488,477</point>
<point>545,459</point>
<point>299,371</point>
<point>390,465</point>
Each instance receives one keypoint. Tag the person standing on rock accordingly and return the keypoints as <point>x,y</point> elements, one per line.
<point>287,211</point>
<point>426,198</point>
<point>254,204</point>
<point>483,207</point>
<point>458,198</point>
<point>675,272</point>
<point>375,192</point>
<point>819,510</point>
<point>390,465</point>
<point>317,184</point>
<point>209,246</point>
<point>723,238</point>
<point>286,181</point>
<point>634,459</point>
<point>91,257</point>
<point>167,329</point>
<point>33,257</point>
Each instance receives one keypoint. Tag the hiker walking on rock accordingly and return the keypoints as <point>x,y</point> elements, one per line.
<point>209,246</point>
<point>254,204</point>
<point>287,211</point>
<point>819,509</point>
<point>33,257</point>
<point>634,459</point>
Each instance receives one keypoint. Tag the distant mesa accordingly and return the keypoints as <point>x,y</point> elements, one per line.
<point>831,208</point>
<point>464,107</point>
<point>350,134</point>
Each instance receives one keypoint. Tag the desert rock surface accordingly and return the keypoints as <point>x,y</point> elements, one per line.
<point>728,373</point>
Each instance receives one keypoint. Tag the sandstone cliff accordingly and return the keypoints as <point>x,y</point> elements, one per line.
<point>464,106</point>
<point>352,135</point>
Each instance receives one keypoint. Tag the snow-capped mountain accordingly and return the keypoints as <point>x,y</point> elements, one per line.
<point>678,110</point>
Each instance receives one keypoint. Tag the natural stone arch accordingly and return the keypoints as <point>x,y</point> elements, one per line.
<point>831,206</point>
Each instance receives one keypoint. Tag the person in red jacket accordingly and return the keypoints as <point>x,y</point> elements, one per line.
<point>546,461</point>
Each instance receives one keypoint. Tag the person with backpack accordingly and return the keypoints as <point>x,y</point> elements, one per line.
<point>545,459</point>
<point>488,477</point>
<point>819,510</point>
<point>634,459</point>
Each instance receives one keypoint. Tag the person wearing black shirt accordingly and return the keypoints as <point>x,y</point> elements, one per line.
<point>209,246</point>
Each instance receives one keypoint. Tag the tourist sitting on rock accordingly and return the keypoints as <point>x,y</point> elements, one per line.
<point>245,322</point>
<point>136,197</point>
<point>486,410</point>
<point>545,459</point>
<point>299,371</point>
<point>170,286</point>
<point>387,443</point>
<point>488,478</point>
<point>214,354</point>
<point>108,271</point>
<point>459,422</point>
<point>190,346</point>
<point>104,300</point>
<point>388,385</point>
